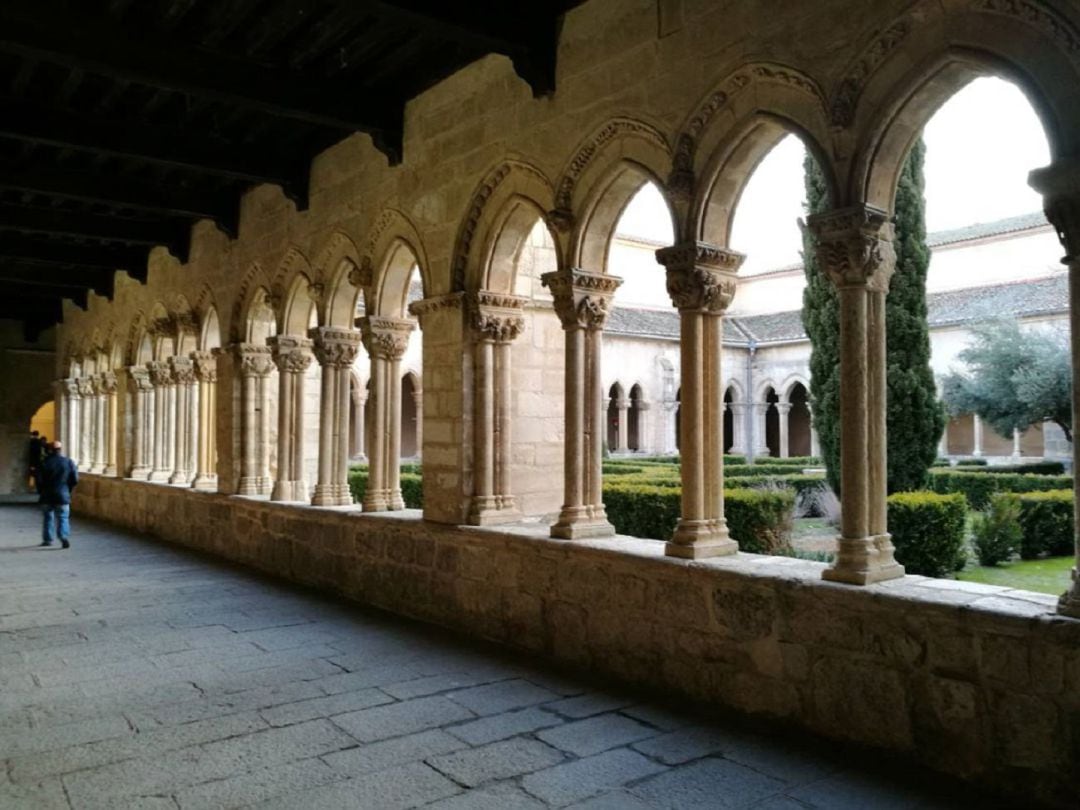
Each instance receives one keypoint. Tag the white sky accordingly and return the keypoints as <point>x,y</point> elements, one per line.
<point>980,147</point>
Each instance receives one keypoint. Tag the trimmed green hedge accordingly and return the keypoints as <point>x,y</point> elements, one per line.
<point>412,485</point>
<point>928,531</point>
<point>1035,468</point>
<point>1046,521</point>
<point>759,521</point>
<point>979,487</point>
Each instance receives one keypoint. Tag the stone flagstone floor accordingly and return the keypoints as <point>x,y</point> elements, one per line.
<point>133,674</point>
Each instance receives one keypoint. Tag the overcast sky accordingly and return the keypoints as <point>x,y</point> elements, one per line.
<point>980,147</point>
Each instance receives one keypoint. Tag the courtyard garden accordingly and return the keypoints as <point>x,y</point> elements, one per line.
<point>1000,525</point>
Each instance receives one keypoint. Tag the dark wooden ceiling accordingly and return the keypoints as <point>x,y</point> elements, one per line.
<point>124,121</point>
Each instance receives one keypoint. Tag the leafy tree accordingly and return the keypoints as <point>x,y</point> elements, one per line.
<point>915,417</point>
<point>1015,378</point>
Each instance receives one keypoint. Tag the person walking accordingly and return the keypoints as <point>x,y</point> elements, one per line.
<point>57,477</point>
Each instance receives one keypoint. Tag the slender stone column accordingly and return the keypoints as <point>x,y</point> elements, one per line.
<point>854,247</point>
<point>496,321</point>
<point>292,356</point>
<point>84,442</point>
<point>815,444</point>
<point>142,421</point>
<point>161,377</point>
<point>96,426</point>
<point>183,374</point>
<point>386,340</point>
<point>739,444</point>
<point>977,435</point>
<point>582,302</point>
<point>70,427</point>
<point>701,282</point>
<point>109,385</point>
<point>255,365</point>
<point>1016,443</point>
<point>761,429</point>
<point>335,349</point>
<point>205,366</point>
<point>943,445</point>
<point>622,407</point>
<point>359,425</point>
<point>784,411</point>
<point>1060,187</point>
<point>418,409</point>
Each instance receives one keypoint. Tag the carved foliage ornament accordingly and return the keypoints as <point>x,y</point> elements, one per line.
<point>71,387</point>
<point>140,376</point>
<point>386,338</point>
<point>495,316</point>
<point>86,387</point>
<point>291,354</point>
<point>854,246</point>
<point>842,109</point>
<point>183,371</point>
<point>205,366</point>
<point>108,382</point>
<point>254,361</point>
<point>160,373</point>
<point>336,348</point>
<point>700,277</point>
<point>582,300</point>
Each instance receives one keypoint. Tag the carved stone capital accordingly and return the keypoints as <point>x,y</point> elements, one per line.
<point>253,360</point>
<point>140,377</point>
<point>205,366</point>
<point>107,383</point>
<point>386,338</point>
<point>426,306</point>
<point>496,317</point>
<point>582,300</point>
<point>854,246</point>
<point>363,276</point>
<point>700,277</point>
<point>1060,186</point>
<point>86,387</point>
<point>183,370</point>
<point>291,354</point>
<point>336,347</point>
<point>160,373</point>
<point>784,408</point>
<point>70,387</point>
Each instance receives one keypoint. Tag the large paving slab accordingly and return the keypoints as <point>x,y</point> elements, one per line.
<point>134,674</point>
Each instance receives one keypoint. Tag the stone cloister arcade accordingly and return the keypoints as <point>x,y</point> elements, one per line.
<point>292,315</point>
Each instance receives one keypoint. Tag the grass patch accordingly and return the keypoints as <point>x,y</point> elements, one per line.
<point>1049,575</point>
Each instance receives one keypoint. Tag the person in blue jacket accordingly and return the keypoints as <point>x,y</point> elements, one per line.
<point>57,476</point>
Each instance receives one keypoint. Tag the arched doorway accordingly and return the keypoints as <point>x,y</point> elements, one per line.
<point>44,421</point>
<point>799,442</point>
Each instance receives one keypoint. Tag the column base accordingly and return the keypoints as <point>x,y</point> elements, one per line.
<point>328,495</point>
<point>250,485</point>
<point>492,516</point>
<point>181,477</point>
<point>698,539</point>
<point>394,501</point>
<point>289,491</point>
<point>96,469</point>
<point>864,561</point>
<point>375,501</point>
<point>580,522</point>
<point>139,473</point>
<point>110,470</point>
<point>159,476</point>
<point>1069,604</point>
<point>205,483</point>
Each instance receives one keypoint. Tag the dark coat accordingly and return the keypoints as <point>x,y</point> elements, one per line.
<point>57,475</point>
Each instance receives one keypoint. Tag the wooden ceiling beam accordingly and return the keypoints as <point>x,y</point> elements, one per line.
<point>95,44</point>
<point>23,249</point>
<point>175,149</point>
<point>80,225</point>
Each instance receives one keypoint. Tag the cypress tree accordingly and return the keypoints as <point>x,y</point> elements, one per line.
<point>819,315</point>
<point>915,416</point>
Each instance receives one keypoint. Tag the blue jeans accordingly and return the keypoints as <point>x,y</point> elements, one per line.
<point>60,514</point>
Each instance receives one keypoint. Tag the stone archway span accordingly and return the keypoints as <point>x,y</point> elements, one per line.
<point>294,288</point>
<point>501,212</point>
<point>732,130</point>
<point>253,291</point>
<point>788,385</point>
<point>392,247</point>
<point>885,101</point>
<point>606,171</point>
<point>336,268</point>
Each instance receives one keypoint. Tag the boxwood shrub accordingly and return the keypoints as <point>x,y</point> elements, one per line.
<point>412,486</point>
<point>1035,468</point>
<point>1046,523</point>
<point>759,521</point>
<point>927,529</point>
<point>979,487</point>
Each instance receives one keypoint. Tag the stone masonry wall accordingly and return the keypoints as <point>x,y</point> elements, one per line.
<point>977,681</point>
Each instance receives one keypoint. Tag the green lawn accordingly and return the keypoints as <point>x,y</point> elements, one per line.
<point>1050,575</point>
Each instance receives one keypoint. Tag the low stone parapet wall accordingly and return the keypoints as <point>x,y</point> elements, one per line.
<point>978,681</point>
